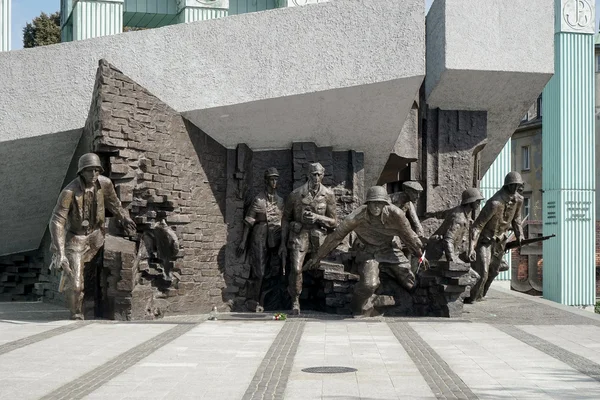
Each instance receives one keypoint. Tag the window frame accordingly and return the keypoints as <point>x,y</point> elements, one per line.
<point>526,161</point>
<point>526,206</point>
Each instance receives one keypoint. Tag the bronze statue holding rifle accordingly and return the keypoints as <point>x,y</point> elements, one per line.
<point>77,226</point>
<point>489,234</point>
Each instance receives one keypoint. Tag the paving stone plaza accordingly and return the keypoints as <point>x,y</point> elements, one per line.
<point>547,351</point>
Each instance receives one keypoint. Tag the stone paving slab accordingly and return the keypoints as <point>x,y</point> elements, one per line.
<point>511,308</point>
<point>504,348</point>
<point>214,360</point>
<point>558,351</point>
<point>443,381</point>
<point>494,364</point>
<point>97,377</point>
<point>384,370</point>
<point>582,340</point>
<point>37,369</point>
<point>11,331</point>
<point>272,375</point>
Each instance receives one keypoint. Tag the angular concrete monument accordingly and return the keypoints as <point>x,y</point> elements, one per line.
<point>489,56</point>
<point>325,73</point>
<point>187,118</point>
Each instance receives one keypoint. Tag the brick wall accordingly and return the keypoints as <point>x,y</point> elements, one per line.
<point>164,168</point>
<point>19,276</point>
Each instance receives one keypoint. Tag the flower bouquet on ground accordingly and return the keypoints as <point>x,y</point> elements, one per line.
<point>279,316</point>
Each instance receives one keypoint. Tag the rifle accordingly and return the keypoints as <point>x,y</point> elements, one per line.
<point>524,242</point>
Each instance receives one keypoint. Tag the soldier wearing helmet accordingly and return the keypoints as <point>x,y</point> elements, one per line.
<point>489,233</point>
<point>264,219</point>
<point>77,226</point>
<point>377,223</point>
<point>406,201</point>
<point>452,237</point>
<point>308,215</point>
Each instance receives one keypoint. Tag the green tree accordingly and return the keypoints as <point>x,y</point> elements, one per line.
<point>42,30</point>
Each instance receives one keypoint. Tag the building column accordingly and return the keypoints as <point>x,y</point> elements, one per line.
<point>492,181</point>
<point>569,158</point>
<point>193,10</point>
<point>5,25</point>
<point>93,18</point>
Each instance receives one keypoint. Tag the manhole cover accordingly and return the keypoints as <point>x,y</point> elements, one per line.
<point>329,370</point>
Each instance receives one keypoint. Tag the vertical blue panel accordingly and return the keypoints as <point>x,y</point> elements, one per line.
<point>246,6</point>
<point>492,181</point>
<point>193,14</point>
<point>97,18</point>
<point>569,172</point>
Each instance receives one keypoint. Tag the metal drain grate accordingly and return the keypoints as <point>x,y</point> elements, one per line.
<point>329,370</point>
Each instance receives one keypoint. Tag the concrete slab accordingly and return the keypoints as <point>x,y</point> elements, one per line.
<point>364,118</point>
<point>496,359</point>
<point>32,171</point>
<point>215,360</point>
<point>508,363</point>
<point>14,330</point>
<point>384,370</point>
<point>32,371</point>
<point>276,54</point>
<point>489,56</point>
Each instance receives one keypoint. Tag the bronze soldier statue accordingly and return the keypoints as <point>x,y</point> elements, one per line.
<point>452,237</point>
<point>376,224</point>
<point>308,215</point>
<point>264,218</point>
<point>489,233</point>
<point>406,201</point>
<point>77,226</point>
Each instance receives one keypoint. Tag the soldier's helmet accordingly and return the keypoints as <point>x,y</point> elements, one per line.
<point>271,172</point>
<point>414,185</point>
<point>315,167</point>
<point>377,193</point>
<point>470,196</point>
<point>89,160</point>
<point>513,177</point>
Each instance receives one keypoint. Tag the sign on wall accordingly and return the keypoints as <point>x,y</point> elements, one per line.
<point>578,16</point>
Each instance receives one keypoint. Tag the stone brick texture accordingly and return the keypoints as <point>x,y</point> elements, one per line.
<point>163,167</point>
<point>19,276</point>
<point>448,161</point>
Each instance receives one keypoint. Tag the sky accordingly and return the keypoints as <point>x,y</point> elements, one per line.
<point>24,11</point>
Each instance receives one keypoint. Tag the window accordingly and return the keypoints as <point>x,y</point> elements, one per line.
<point>598,63</point>
<point>539,106</point>
<point>524,119</point>
<point>526,203</point>
<point>525,158</point>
